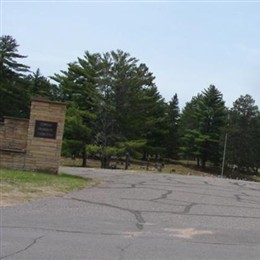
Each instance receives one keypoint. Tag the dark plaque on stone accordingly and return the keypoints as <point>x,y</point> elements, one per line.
<point>45,129</point>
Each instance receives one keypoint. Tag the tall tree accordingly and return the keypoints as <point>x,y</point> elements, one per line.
<point>78,86</point>
<point>130,99</point>
<point>212,115</point>
<point>8,55</point>
<point>128,82</point>
<point>205,132</point>
<point>41,86</point>
<point>173,117</point>
<point>14,92</point>
<point>244,144</point>
<point>189,129</point>
<point>118,98</point>
<point>154,122</point>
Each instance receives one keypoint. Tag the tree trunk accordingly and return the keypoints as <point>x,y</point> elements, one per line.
<point>198,162</point>
<point>203,163</point>
<point>105,160</point>
<point>144,158</point>
<point>126,161</point>
<point>84,157</point>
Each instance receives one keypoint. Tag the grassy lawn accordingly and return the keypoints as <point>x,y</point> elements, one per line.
<point>19,186</point>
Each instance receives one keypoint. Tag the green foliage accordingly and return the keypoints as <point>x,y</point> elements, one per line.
<point>17,85</point>
<point>114,108</point>
<point>14,92</point>
<point>133,147</point>
<point>78,87</point>
<point>8,55</point>
<point>172,138</point>
<point>112,99</point>
<point>203,120</point>
<point>108,151</point>
<point>244,135</point>
<point>41,86</point>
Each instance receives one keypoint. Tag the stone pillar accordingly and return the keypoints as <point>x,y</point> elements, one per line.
<point>45,135</point>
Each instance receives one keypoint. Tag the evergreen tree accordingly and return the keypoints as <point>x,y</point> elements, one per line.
<point>41,86</point>
<point>211,115</point>
<point>78,87</point>
<point>203,133</point>
<point>172,138</point>
<point>243,141</point>
<point>129,102</point>
<point>154,123</point>
<point>129,82</point>
<point>14,92</point>
<point>116,99</point>
<point>189,129</point>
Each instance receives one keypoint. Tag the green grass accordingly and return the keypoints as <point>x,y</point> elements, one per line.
<point>256,178</point>
<point>19,186</point>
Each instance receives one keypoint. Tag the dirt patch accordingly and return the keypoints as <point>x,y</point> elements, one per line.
<point>17,197</point>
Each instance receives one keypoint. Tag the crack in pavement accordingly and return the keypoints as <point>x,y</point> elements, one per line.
<point>136,213</point>
<point>197,203</point>
<point>163,196</point>
<point>188,192</point>
<point>116,234</point>
<point>127,186</point>
<point>242,185</point>
<point>200,215</point>
<point>245,194</point>
<point>158,202</point>
<point>238,198</point>
<point>209,184</point>
<point>131,186</point>
<point>187,209</point>
<point>134,185</point>
<point>24,249</point>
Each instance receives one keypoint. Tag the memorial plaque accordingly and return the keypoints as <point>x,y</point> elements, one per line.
<point>45,129</point>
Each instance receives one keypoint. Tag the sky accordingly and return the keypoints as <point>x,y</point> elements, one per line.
<point>187,45</point>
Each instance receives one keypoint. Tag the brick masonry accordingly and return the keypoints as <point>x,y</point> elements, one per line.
<point>23,145</point>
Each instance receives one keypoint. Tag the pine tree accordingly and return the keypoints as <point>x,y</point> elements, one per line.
<point>14,92</point>
<point>117,100</point>
<point>211,115</point>
<point>78,87</point>
<point>189,129</point>
<point>41,86</point>
<point>172,138</point>
<point>205,119</point>
<point>244,136</point>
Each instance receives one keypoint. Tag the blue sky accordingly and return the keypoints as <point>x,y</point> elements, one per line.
<point>188,45</point>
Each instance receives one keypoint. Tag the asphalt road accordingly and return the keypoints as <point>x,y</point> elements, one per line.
<point>137,216</point>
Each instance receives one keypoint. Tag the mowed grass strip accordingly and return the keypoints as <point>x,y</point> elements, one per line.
<point>20,186</point>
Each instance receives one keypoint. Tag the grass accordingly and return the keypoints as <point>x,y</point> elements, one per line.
<point>19,186</point>
<point>256,178</point>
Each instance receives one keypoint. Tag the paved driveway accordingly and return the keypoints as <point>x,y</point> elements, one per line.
<point>138,216</point>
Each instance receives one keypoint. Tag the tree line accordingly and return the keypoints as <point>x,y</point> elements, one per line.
<point>114,110</point>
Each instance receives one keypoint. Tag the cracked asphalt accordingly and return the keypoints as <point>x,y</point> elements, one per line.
<point>137,216</point>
